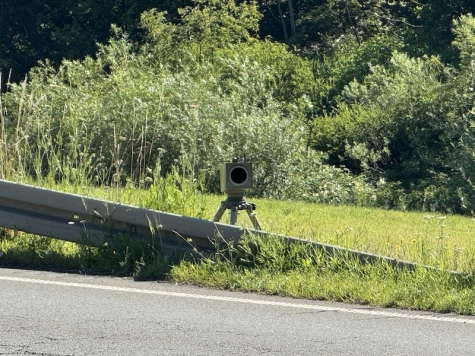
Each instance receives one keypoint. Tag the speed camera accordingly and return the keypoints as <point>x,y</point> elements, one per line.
<point>236,178</point>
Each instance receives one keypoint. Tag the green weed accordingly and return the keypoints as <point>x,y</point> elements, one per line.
<point>273,266</point>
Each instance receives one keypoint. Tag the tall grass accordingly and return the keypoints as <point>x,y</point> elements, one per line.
<point>3,151</point>
<point>116,120</point>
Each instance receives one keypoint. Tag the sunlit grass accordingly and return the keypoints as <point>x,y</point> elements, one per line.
<point>436,239</point>
<point>444,241</point>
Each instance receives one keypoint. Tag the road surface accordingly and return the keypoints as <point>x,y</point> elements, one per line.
<point>44,313</point>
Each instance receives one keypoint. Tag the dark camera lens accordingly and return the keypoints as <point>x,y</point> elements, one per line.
<point>238,175</point>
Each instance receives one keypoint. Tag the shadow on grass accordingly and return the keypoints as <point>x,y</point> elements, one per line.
<point>142,260</point>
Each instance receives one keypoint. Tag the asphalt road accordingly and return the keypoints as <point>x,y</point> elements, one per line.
<point>44,313</point>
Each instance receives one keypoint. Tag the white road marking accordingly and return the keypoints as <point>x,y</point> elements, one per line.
<point>246,301</point>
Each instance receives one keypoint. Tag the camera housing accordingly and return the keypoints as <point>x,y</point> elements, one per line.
<point>236,178</point>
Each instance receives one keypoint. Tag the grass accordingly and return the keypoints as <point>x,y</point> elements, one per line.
<point>444,241</point>
<point>435,239</point>
<point>301,271</point>
<point>377,285</point>
<point>272,266</point>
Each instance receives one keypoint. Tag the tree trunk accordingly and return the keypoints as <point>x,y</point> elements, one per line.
<point>282,19</point>
<point>292,18</point>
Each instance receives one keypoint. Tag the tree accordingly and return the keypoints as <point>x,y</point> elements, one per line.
<point>431,30</point>
<point>20,43</point>
<point>34,30</point>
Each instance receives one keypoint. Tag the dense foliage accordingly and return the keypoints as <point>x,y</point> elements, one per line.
<point>32,30</point>
<point>354,102</point>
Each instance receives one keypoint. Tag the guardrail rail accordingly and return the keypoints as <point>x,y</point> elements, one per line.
<point>92,221</point>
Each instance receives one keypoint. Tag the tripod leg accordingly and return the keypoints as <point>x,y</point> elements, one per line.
<point>234,213</point>
<point>254,220</point>
<point>220,212</point>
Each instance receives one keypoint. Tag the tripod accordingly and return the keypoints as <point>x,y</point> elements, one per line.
<point>236,203</point>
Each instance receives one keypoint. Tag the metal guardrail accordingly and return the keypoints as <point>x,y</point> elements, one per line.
<point>92,221</point>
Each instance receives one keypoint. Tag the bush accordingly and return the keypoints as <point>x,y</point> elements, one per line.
<point>113,119</point>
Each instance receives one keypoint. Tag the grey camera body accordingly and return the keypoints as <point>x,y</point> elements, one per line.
<point>236,178</point>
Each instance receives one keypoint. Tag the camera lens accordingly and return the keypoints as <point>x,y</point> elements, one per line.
<point>238,175</point>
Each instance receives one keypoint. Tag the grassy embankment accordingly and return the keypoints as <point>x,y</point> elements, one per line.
<point>442,241</point>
